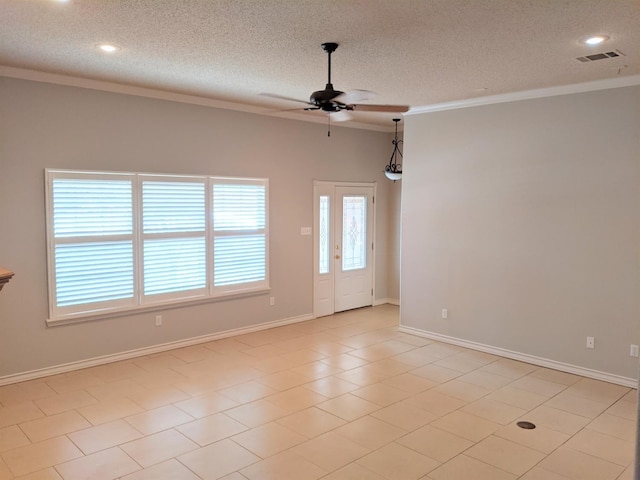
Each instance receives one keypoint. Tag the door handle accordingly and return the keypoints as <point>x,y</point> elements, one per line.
<point>337,257</point>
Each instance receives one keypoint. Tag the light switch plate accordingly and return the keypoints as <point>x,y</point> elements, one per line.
<point>305,230</point>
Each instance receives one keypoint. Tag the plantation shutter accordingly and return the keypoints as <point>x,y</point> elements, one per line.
<point>92,226</point>
<point>240,233</point>
<point>174,237</point>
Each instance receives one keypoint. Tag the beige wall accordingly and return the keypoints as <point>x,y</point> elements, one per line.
<point>523,220</point>
<point>44,125</point>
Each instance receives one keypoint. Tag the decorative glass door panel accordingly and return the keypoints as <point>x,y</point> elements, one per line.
<point>354,232</point>
<point>324,250</point>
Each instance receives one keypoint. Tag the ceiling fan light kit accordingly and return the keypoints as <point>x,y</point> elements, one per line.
<point>393,171</point>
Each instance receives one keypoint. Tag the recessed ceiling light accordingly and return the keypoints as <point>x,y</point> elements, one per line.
<point>108,47</point>
<point>594,39</point>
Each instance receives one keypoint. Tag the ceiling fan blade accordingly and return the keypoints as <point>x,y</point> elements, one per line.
<point>354,96</point>
<point>284,110</point>
<point>379,108</point>
<point>281,97</point>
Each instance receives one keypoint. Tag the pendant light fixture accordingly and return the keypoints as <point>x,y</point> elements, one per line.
<point>393,171</point>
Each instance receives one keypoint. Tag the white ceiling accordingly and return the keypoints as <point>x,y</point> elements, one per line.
<point>413,52</point>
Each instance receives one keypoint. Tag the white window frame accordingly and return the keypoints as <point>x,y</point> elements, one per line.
<point>140,302</point>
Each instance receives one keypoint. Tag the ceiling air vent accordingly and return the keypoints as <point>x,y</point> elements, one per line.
<point>600,56</point>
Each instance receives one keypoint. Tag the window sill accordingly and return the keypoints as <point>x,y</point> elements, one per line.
<point>114,313</point>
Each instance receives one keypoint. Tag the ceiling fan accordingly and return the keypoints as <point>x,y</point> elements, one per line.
<point>333,101</point>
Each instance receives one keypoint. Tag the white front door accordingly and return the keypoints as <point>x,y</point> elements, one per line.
<point>343,247</point>
<point>354,248</point>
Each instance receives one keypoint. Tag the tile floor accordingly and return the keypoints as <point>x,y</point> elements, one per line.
<point>340,397</point>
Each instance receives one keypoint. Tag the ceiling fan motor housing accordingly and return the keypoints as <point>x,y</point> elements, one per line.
<point>324,99</point>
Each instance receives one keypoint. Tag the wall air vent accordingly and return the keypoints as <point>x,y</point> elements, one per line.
<point>600,56</point>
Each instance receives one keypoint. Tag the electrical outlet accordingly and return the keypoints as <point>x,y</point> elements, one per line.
<point>158,320</point>
<point>445,313</point>
<point>591,342</point>
<point>272,301</point>
<point>633,351</point>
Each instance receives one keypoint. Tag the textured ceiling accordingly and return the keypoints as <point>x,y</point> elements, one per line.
<point>413,52</point>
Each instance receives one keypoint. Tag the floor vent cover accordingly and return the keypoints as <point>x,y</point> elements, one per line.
<point>526,425</point>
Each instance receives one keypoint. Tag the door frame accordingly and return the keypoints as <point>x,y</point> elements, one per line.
<point>329,188</point>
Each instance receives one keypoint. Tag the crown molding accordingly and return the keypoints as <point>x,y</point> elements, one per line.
<point>113,87</point>
<point>58,79</point>
<point>625,81</point>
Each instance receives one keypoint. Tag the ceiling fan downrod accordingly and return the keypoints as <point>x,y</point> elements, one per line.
<point>329,47</point>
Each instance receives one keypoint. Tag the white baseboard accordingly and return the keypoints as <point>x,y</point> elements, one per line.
<point>140,352</point>
<point>524,357</point>
<point>384,301</point>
